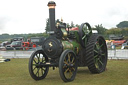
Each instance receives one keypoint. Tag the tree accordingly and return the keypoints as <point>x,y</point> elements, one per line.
<point>77,25</point>
<point>122,24</point>
<point>47,28</point>
<point>100,29</point>
<point>72,24</point>
<point>114,31</point>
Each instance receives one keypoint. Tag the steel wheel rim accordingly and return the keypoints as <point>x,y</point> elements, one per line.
<point>69,66</point>
<point>37,69</point>
<point>100,54</point>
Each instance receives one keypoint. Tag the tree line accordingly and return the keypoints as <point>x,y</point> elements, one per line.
<point>121,28</point>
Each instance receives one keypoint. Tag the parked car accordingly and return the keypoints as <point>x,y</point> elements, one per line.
<point>19,44</point>
<point>15,45</point>
<point>3,44</point>
<point>37,40</point>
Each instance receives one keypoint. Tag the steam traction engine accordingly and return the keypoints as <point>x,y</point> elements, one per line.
<point>67,50</point>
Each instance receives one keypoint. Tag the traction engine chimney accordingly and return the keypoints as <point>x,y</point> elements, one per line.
<point>51,5</point>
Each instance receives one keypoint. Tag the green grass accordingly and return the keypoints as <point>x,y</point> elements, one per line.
<point>16,72</point>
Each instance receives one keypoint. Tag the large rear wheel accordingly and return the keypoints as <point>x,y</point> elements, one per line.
<point>96,54</point>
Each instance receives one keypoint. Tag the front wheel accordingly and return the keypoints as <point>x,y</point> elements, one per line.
<point>68,66</point>
<point>36,69</point>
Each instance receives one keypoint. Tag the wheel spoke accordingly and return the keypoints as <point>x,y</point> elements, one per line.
<point>66,63</point>
<point>70,73</point>
<point>100,62</point>
<point>95,51</point>
<point>73,60</point>
<point>84,30</point>
<point>37,73</point>
<point>35,64</point>
<point>42,70</point>
<point>95,56</point>
<point>97,46</point>
<point>38,57</point>
<point>64,66</point>
<point>43,60</point>
<point>34,60</point>
<point>83,37</point>
<point>73,68</point>
<point>69,57</point>
<point>96,63</point>
<point>66,71</point>
<point>100,46</point>
<point>103,54</point>
<point>34,68</point>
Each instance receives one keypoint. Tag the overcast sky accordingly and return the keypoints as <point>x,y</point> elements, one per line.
<point>29,16</point>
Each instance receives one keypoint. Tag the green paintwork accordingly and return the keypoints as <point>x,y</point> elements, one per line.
<point>86,31</point>
<point>73,45</point>
<point>76,35</point>
<point>76,46</point>
<point>64,32</point>
<point>67,45</point>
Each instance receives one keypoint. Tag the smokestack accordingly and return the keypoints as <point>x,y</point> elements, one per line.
<point>51,5</point>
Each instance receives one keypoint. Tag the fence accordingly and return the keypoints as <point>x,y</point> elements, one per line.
<point>118,54</point>
<point>112,54</point>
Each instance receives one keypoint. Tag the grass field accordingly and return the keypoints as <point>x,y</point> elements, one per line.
<point>16,72</point>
